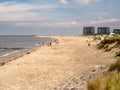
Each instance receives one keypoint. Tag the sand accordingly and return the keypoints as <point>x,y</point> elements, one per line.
<point>48,67</point>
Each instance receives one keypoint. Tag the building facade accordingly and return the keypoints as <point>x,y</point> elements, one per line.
<point>103,30</point>
<point>88,30</point>
<point>117,31</point>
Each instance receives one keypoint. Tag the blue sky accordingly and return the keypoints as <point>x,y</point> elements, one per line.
<point>48,17</point>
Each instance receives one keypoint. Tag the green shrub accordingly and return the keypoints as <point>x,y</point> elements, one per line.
<point>108,49</point>
<point>112,67</point>
<point>100,46</point>
<point>118,54</point>
<point>105,46</point>
<point>115,66</point>
<point>118,65</point>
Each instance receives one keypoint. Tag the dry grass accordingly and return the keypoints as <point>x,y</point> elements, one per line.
<point>111,79</point>
<point>108,81</point>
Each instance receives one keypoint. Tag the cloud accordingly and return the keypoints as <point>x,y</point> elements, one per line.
<point>104,21</point>
<point>17,7</point>
<point>86,2</point>
<point>78,24</point>
<point>21,11</point>
<point>64,1</point>
<point>46,24</point>
<point>83,2</point>
<point>67,24</point>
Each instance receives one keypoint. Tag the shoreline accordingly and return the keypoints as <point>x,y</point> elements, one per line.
<point>17,54</point>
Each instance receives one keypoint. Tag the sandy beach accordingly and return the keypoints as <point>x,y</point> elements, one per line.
<point>49,66</point>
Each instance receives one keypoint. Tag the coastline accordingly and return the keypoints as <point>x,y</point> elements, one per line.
<point>14,55</point>
<point>48,66</point>
<point>17,54</point>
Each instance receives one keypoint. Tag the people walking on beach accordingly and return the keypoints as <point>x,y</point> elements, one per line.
<point>49,44</point>
<point>88,44</point>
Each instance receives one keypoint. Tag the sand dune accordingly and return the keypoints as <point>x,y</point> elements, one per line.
<point>47,67</point>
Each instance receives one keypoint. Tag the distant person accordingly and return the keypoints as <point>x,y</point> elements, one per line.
<point>88,44</point>
<point>50,44</point>
<point>102,37</point>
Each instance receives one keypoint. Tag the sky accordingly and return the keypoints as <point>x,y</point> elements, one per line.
<point>53,17</point>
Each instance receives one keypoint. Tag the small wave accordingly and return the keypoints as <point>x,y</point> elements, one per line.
<point>37,44</point>
<point>7,54</point>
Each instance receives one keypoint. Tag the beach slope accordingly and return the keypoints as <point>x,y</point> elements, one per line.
<point>49,66</point>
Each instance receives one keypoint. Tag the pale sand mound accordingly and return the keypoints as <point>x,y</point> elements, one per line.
<point>47,67</point>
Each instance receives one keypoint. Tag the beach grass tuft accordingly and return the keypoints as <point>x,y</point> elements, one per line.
<point>115,66</point>
<point>118,54</point>
<point>108,81</point>
<point>100,46</point>
<point>112,66</point>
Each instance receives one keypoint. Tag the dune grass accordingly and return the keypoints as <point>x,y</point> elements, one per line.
<point>105,44</point>
<point>118,54</point>
<point>108,81</point>
<point>115,66</point>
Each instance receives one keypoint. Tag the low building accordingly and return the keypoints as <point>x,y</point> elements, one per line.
<point>117,31</point>
<point>103,30</point>
<point>88,30</point>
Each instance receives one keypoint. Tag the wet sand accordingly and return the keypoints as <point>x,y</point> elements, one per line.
<point>49,66</point>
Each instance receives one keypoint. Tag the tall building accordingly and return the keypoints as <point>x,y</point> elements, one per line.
<point>117,31</point>
<point>103,30</point>
<point>88,30</point>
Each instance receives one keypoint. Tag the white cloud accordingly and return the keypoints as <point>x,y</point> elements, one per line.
<point>104,21</point>
<point>11,11</point>
<point>67,24</point>
<point>46,24</point>
<point>86,2</point>
<point>18,16</point>
<point>16,7</point>
<point>64,1</point>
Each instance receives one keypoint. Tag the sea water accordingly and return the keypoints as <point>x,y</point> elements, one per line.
<point>9,43</point>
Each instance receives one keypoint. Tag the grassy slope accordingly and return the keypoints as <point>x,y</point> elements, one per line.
<point>107,81</point>
<point>111,79</point>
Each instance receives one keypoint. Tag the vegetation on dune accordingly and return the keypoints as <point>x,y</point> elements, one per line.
<point>109,80</point>
<point>115,66</point>
<point>118,54</point>
<point>105,44</point>
<point>100,46</point>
